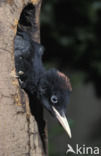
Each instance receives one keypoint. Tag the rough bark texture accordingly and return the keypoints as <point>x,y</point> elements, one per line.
<point>18,130</point>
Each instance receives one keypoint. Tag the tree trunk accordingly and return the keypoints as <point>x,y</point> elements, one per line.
<point>19,134</point>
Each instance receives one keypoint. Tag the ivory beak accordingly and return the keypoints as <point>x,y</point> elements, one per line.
<point>63,121</point>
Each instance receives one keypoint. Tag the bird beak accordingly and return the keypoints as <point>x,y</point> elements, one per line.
<point>63,121</point>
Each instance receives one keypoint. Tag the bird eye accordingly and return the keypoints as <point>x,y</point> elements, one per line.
<point>54,99</point>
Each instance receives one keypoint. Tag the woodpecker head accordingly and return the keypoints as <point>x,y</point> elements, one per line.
<point>54,91</point>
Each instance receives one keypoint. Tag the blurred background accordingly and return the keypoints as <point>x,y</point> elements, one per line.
<point>71,35</point>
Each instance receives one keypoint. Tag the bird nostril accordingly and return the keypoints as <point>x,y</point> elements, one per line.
<point>54,99</point>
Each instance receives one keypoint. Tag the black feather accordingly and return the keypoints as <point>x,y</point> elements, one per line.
<point>33,77</point>
<point>39,83</point>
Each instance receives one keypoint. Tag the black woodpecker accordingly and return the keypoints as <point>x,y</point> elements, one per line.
<point>50,88</point>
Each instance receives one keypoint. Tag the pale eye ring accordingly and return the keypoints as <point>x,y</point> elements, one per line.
<point>54,99</point>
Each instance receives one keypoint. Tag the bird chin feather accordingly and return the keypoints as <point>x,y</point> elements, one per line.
<point>46,104</point>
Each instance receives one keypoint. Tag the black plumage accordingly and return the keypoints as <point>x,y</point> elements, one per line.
<point>45,88</point>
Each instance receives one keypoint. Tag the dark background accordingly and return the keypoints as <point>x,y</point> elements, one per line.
<point>71,35</point>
